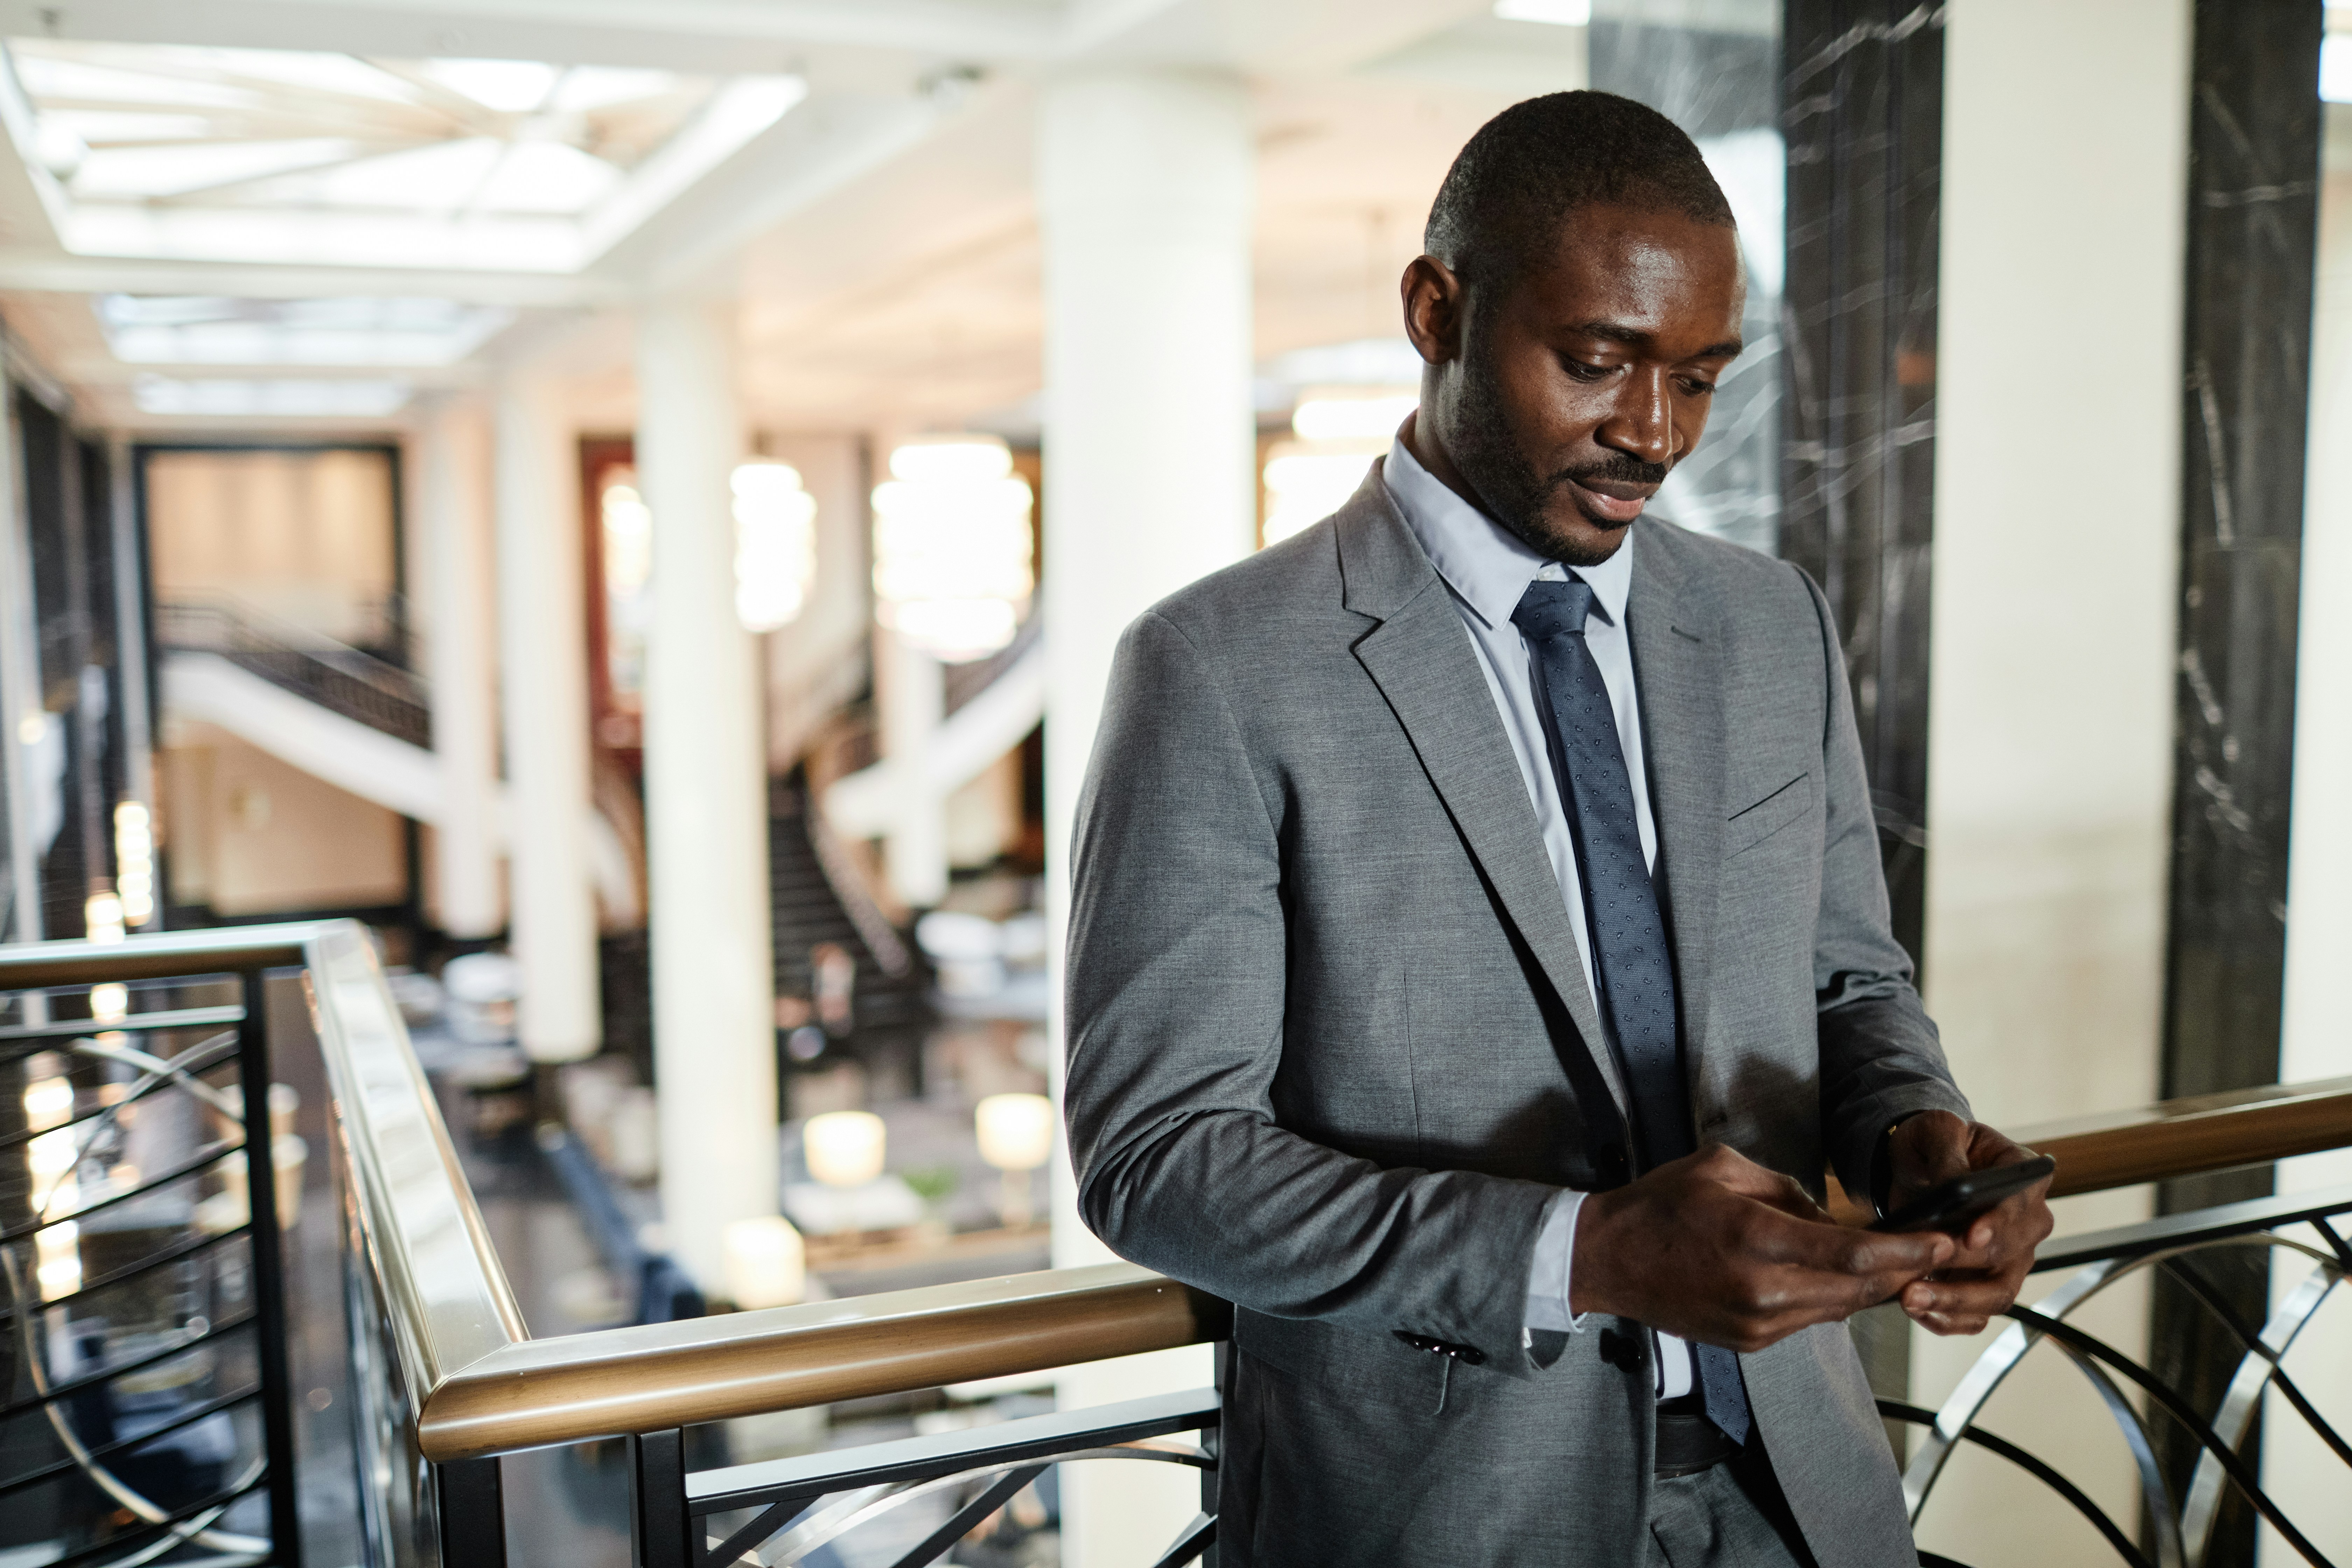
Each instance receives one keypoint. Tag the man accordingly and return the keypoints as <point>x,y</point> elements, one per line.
<point>1479,949</point>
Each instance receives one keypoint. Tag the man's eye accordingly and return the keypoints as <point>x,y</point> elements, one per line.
<point>1580,371</point>
<point>1696,388</point>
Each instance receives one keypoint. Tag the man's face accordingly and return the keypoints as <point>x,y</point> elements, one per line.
<point>1560,400</point>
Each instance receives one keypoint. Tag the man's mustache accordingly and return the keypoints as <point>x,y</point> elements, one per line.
<point>1620,467</point>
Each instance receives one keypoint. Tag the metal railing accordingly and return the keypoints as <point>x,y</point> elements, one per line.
<point>142,1280</point>
<point>448,1378</point>
<point>2181,1529</point>
<point>352,681</point>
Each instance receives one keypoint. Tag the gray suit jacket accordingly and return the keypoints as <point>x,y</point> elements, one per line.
<point>1331,1048</point>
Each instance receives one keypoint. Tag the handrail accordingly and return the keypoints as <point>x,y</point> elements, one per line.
<point>658,1375</point>
<point>479,1385</point>
<point>2194,1136</point>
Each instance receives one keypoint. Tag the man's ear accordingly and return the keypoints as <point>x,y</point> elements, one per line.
<point>1433,310</point>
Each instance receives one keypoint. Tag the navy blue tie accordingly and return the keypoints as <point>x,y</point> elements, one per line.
<point>1631,959</point>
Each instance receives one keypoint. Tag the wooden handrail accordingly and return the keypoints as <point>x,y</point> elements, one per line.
<point>656,1375</point>
<point>479,1384</point>
<point>2194,1136</point>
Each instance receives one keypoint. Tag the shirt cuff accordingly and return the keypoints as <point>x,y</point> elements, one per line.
<point>1548,1272</point>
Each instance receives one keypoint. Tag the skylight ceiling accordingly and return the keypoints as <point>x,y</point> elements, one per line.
<point>266,155</point>
<point>195,329</point>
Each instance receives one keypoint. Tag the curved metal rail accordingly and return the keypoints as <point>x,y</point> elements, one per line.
<point>2182,1530</point>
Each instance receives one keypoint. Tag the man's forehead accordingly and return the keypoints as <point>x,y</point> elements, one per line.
<point>1667,277</point>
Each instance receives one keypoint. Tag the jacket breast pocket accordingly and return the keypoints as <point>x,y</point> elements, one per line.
<point>1752,825</point>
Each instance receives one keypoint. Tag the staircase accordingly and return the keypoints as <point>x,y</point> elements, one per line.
<point>336,677</point>
<point>818,896</point>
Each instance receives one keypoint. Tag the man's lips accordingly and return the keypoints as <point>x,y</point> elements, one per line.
<point>1612,500</point>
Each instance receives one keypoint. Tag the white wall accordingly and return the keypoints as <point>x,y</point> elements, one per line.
<point>2050,726</point>
<point>2296,1468</point>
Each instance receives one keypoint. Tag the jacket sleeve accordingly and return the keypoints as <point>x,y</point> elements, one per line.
<point>1176,998</point>
<point>1881,1058</point>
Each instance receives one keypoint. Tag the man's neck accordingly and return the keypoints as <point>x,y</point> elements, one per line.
<point>1425,450</point>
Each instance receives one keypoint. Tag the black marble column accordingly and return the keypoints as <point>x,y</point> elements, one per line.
<point>1863,107</point>
<point>1861,111</point>
<point>2253,228</point>
<point>1723,87</point>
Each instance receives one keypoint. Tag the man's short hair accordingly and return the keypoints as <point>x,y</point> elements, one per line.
<point>1531,165</point>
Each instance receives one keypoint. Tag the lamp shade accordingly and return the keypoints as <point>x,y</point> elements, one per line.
<point>845,1148</point>
<point>1016,1131</point>
<point>765,1263</point>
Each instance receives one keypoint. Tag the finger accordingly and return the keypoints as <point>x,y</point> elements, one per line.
<point>1980,1298</point>
<point>1835,1250</point>
<point>2011,1230</point>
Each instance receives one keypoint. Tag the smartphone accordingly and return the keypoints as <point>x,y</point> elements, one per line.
<point>1950,1208</point>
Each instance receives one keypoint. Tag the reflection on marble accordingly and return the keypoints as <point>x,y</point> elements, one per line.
<point>1863,95</point>
<point>1715,71</point>
<point>2252,234</point>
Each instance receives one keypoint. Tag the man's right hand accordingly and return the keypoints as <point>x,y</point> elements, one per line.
<point>1715,1247</point>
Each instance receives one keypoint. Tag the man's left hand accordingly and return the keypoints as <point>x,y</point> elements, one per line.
<point>1995,1251</point>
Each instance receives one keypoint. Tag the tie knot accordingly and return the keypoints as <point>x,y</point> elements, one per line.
<point>1547,610</point>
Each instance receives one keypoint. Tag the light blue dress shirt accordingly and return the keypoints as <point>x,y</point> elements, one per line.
<point>1487,568</point>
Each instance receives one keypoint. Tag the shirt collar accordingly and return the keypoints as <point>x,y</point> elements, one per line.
<point>1487,566</point>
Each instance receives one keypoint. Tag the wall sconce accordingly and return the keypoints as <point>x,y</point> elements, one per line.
<point>134,862</point>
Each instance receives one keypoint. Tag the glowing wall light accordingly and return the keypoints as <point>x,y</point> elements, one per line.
<point>1373,417</point>
<point>134,862</point>
<point>775,545</point>
<point>101,916</point>
<point>1340,431</point>
<point>953,550</point>
<point>49,1158</point>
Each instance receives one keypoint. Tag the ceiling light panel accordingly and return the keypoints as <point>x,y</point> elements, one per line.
<point>273,398</point>
<point>197,329</point>
<point>266,155</point>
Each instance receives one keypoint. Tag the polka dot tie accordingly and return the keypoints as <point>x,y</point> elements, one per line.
<point>1631,959</point>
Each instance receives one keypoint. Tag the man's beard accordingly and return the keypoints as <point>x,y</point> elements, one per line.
<point>1514,493</point>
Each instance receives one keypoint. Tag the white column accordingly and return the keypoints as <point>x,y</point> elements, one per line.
<point>453,544</point>
<point>2050,725</point>
<point>910,700</point>
<point>543,660</point>
<point>1145,186</point>
<point>705,797</point>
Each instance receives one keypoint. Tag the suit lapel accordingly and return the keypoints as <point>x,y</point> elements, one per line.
<point>1421,658</point>
<point>1678,666</point>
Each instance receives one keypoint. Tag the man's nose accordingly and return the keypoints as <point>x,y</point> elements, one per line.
<point>1643,423</point>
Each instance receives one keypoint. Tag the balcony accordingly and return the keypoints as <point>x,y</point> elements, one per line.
<point>166,1297</point>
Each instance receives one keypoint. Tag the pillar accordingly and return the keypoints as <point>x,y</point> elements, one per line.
<point>454,537</point>
<point>2049,709</point>
<point>543,660</point>
<point>910,698</point>
<point>705,797</point>
<point>1144,187</point>
<point>27,731</point>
